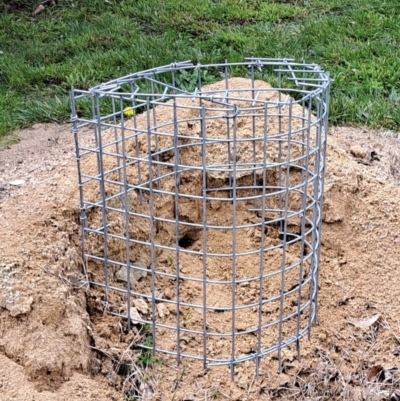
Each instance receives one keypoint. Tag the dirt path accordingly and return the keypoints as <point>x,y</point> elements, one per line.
<point>48,338</point>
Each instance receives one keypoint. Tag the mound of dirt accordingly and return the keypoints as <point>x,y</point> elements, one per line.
<point>179,228</point>
<point>57,343</point>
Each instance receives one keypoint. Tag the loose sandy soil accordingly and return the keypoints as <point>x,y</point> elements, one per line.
<point>57,344</point>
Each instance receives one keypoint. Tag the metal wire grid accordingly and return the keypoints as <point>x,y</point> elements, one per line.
<point>275,175</point>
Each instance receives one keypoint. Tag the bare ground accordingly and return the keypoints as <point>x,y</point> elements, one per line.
<point>56,342</point>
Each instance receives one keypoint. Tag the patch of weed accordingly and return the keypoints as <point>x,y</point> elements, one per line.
<point>146,358</point>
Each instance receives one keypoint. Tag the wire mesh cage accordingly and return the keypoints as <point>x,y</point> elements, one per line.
<point>201,204</point>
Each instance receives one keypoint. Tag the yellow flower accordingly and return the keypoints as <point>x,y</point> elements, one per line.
<point>129,112</point>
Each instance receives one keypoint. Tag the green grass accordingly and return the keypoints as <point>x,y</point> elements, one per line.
<point>83,43</point>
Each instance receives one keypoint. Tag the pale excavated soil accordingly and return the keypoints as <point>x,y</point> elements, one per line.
<point>51,328</point>
<point>218,213</point>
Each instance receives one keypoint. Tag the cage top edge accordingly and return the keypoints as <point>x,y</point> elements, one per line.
<point>251,62</point>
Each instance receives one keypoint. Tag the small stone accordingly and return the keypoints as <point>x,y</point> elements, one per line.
<point>17,183</point>
<point>141,305</point>
<point>169,293</point>
<point>135,274</point>
<point>215,205</point>
<point>288,355</point>
<point>135,316</point>
<point>358,151</point>
<point>20,161</point>
<point>20,306</point>
<point>172,308</point>
<point>241,326</point>
<point>162,310</point>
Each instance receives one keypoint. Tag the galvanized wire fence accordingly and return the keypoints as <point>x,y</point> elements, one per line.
<point>201,204</point>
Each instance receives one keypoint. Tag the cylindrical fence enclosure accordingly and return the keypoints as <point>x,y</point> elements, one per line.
<point>201,204</point>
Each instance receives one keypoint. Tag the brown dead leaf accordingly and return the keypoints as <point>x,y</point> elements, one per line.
<point>374,372</point>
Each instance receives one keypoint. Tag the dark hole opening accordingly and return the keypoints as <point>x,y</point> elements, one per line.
<point>188,239</point>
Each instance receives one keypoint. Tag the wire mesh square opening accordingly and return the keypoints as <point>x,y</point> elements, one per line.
<point>201,203</point>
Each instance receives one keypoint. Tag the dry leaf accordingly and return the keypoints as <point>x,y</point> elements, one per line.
<point>39,9</point>
<point>388,374</point>
<point>365,323</point>
<point>146,391</point>
<point>362,161</point>
<point>395,396</point>
<point>374,372</point>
